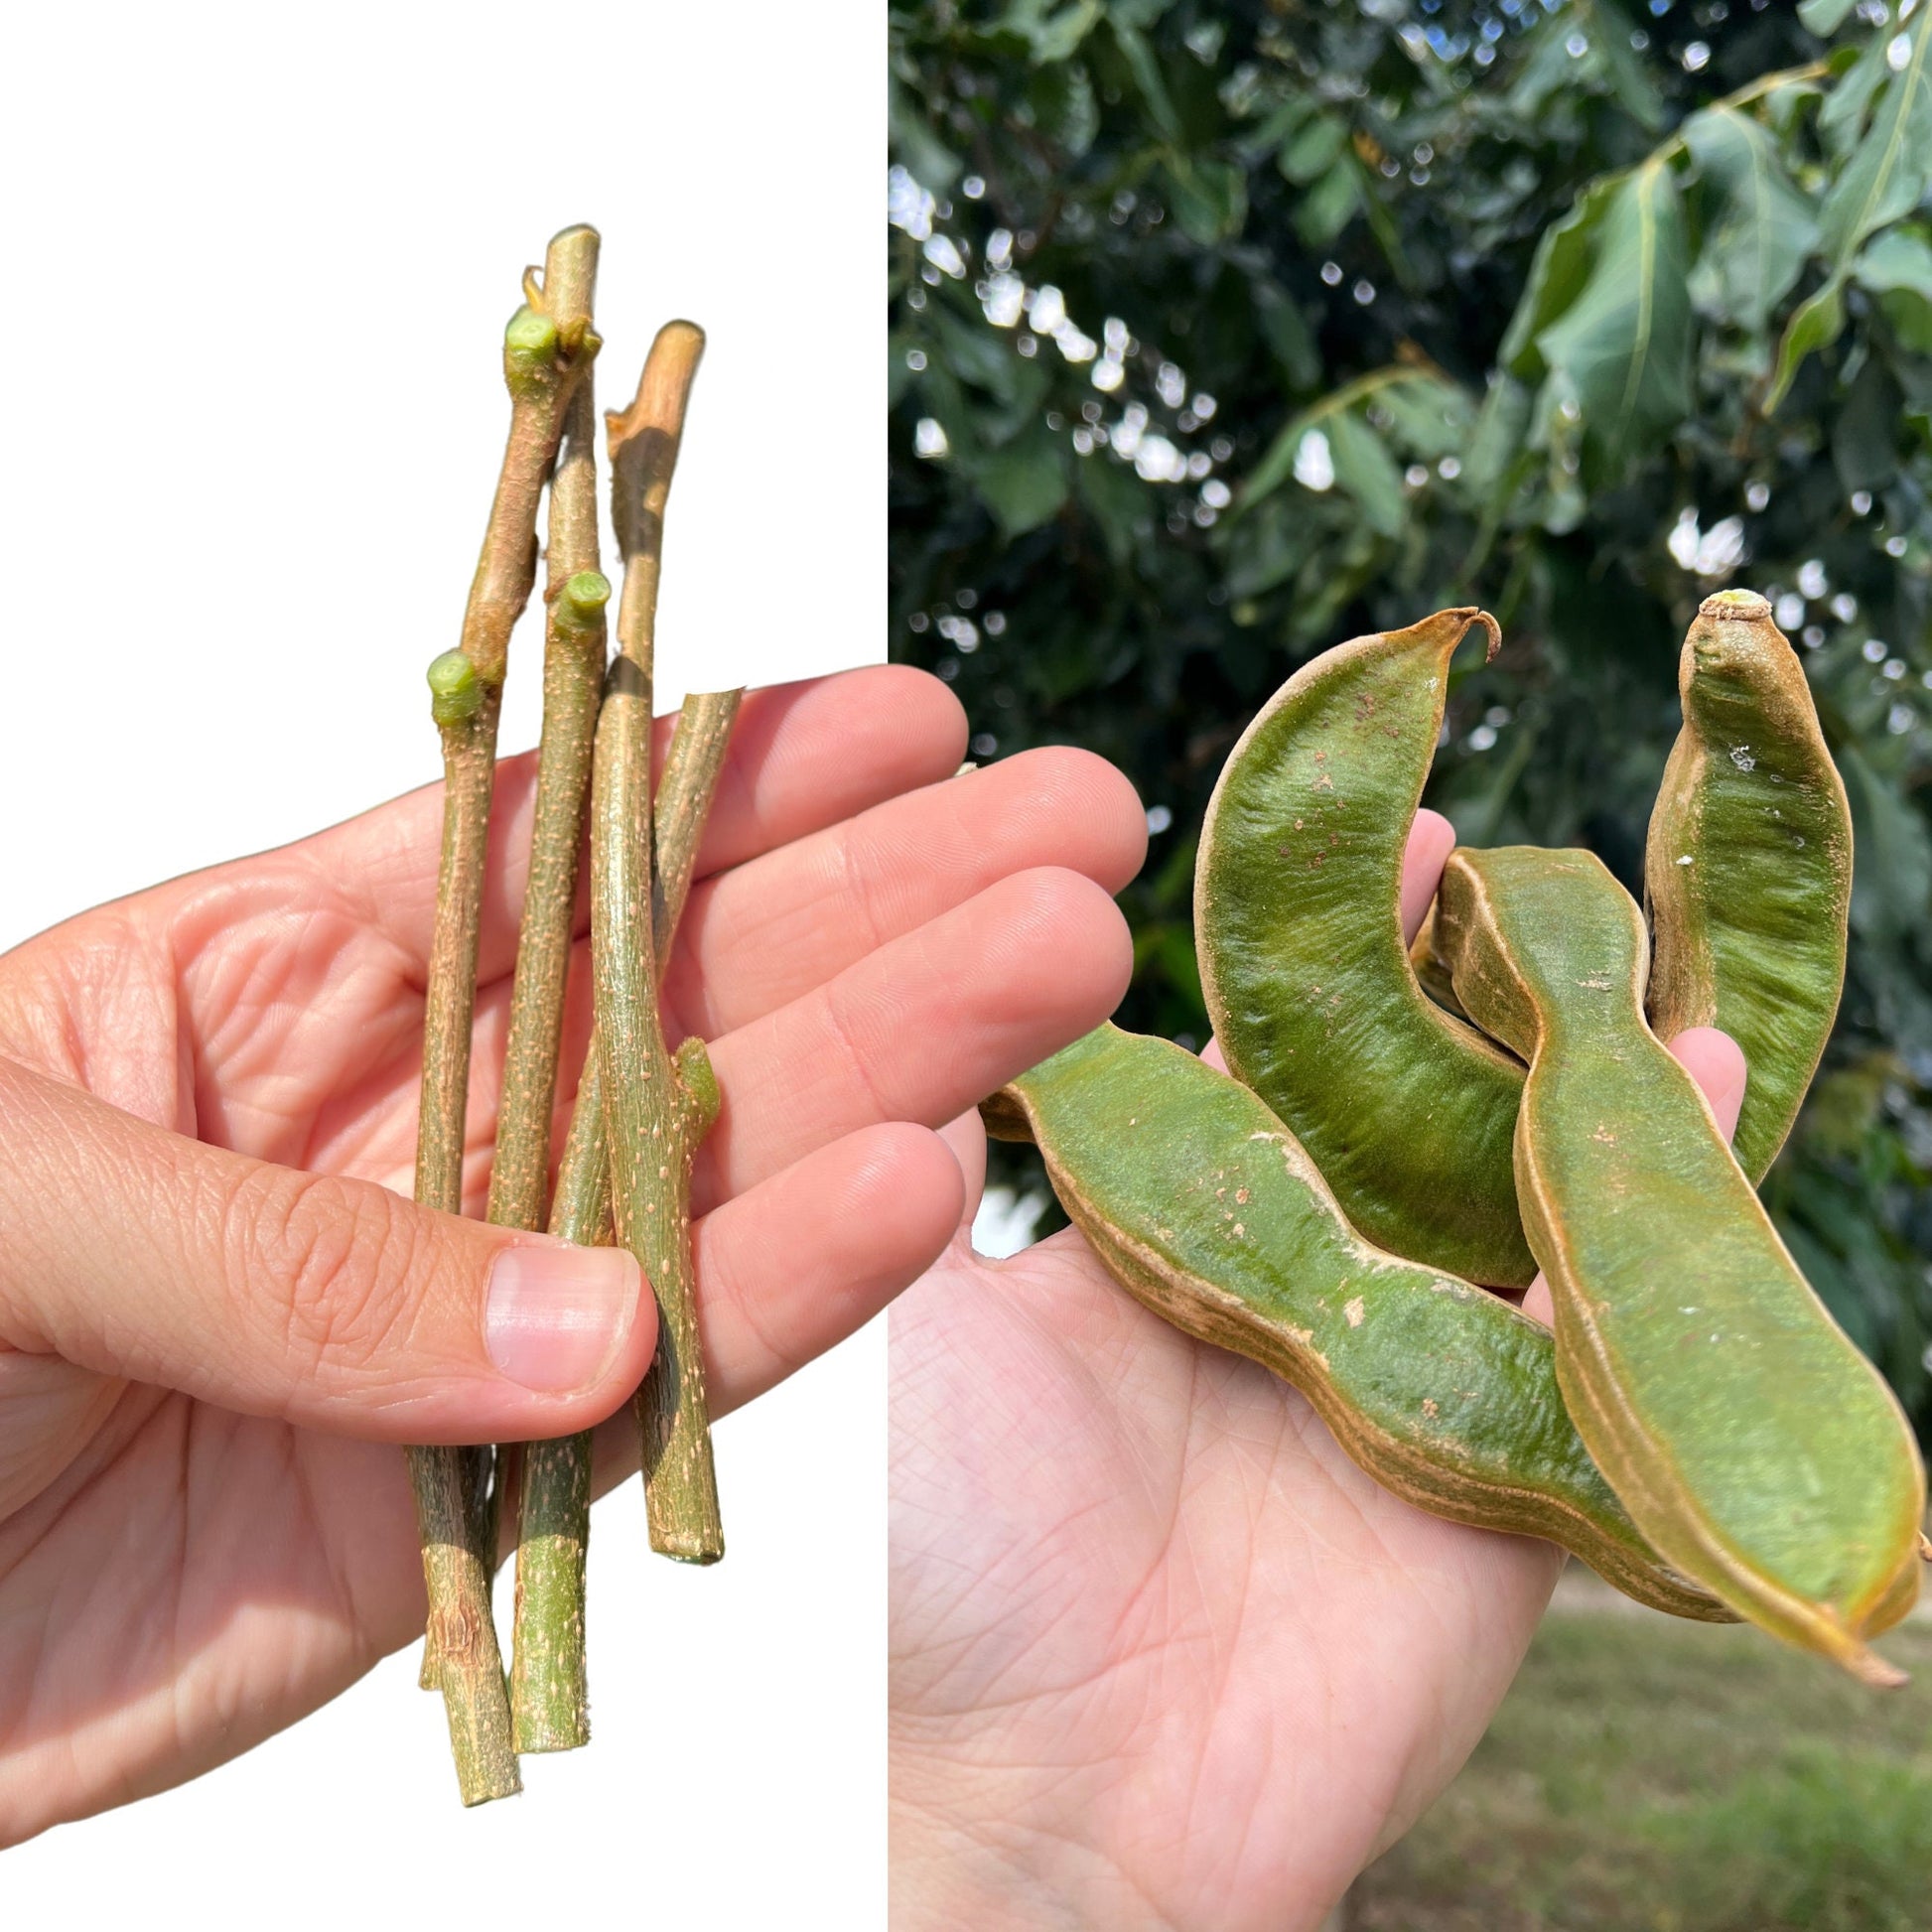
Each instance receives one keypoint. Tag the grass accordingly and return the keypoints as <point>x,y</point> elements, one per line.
<point>1652,1776</point>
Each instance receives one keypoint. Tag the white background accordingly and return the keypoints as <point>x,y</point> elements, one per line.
<point>259,259</point>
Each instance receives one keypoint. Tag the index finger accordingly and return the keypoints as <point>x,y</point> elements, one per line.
<point>802,757</point>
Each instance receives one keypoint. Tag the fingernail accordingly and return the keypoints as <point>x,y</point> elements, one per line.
<point>556,1317</point>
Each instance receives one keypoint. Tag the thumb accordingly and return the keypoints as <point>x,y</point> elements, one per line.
<point>966,1137</point>
<point>324,1301</point>
<point>1716,1064</point>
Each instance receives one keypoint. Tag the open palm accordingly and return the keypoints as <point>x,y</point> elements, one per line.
<point>207,1363</point>
<point>1162,1655</point>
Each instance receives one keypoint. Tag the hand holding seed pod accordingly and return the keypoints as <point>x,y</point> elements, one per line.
<point>1757,1461</point>
<point>1205,1208</point>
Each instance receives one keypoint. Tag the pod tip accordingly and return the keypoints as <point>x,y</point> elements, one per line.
<point>1870,1668</point>
<point>1739,607</point>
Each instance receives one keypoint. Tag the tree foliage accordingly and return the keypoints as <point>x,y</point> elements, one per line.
<point>1220,332</point>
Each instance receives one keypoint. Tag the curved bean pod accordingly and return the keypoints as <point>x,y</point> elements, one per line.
<point>1747,869</point>
<point>1407,1110</point>
<point>1431,974</point>
<point>1752,1445</point>
<point>1204,1207</point>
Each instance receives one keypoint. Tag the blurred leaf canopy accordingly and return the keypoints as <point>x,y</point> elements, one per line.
<point>1221,333</point>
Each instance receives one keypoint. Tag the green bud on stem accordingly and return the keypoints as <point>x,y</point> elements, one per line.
<point>530,345</point>
<point>456,692</point>
<point>581,602</point>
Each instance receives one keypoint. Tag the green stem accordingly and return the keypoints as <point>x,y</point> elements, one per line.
<point>692,769</point>
<point>549,1692</point>
<point>657,1108</point>
<point>575,595</point>
<point>573,682</point>
<point>462,1638</point>
<point>546,350</point>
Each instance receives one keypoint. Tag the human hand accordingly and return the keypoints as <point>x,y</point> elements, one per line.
<point>1162,1655</point>
<point>215,1325</point>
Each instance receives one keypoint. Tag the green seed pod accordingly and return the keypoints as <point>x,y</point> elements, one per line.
<point>456,693</point>
<point>1747,870</point>
<point>1752,1445</point>
<point>1407,1110</point>
<point>1205,1208</point>
<point>530,345</point>
<point>1431,974</point>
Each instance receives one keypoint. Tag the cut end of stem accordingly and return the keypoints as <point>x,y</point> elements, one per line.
<point>643,439</point>
<point>580,234</point>
<point>456,692</point>
<point>694,1548</point>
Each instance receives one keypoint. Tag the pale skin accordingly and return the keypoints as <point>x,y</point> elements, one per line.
<point>220,1319</point>
<point>1162,1656</point>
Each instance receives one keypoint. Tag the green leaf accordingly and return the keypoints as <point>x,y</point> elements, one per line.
<point>1865,439</point>
<point>1891,878</point>
<point>1910,316</point>
<point>1145,70</point>
<point>1209,198</point>
<point>1278,460</point>
<point>1326,208</point>
<point>925,156</point>
<point>1052,34</point>
<point>1842,118</point>
<point>1901,259</point>
<point>1023,485</point>
<point>1624,343</point>
<point>1824,17</point>
<point>1898,268</point>
<point>1064,107</point>
<point>1119,502</point>
<point>898,376</point>
<point>1883,179</point>
<point>1287,333</point>
<point>1622,70</point>
<point>977,353</point>
<point>1366,471</point>
<point>1497,437</point>
<point>1267,548</point>
<point>1815,324</point>
<point>1606,62</point>
<point>1558,272</point>
<point>1757,248</point>
<point>1429,417</point>
<point>1313,149</point>
<point>1547,73</point>
<point>1889,168</point>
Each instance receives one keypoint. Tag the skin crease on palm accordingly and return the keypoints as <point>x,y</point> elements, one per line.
<point>207,1363</point>
<point>1162,1656</point>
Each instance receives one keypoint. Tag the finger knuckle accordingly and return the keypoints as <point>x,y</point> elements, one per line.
<point>327,1261</point>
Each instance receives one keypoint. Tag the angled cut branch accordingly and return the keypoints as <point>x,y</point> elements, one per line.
<point>657,1108</point>
<point>545,353</point>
